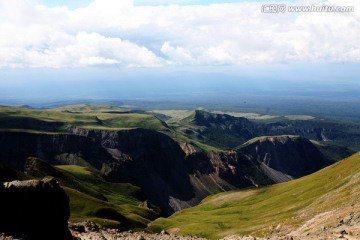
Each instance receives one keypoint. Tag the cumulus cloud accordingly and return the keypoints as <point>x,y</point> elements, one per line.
<point>109,32</point>
<point>176,55</point>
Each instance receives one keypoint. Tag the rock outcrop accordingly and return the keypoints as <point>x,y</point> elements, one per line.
<point>34,209</point>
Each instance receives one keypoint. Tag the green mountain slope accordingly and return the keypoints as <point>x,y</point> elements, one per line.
<point>297,208</point>
<point>85,116</point>
<point>224,131</point>
<point>218,130</point>
<point>116,205</point>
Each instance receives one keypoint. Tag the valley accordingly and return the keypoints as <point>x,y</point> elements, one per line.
<point>128,169</point>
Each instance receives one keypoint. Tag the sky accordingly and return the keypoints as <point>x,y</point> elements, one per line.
<point>72,4</point>
<point>121,38</point>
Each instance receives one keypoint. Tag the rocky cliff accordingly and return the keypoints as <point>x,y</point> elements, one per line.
<point>145,158</point>
<point>219,130</point>
<point>34,209</point>
<point>172,175</point>
<point>283,158</point>
<point>59,148</point>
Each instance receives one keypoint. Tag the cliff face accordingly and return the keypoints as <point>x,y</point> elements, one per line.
<point>148,159</point>
<point>145,158</point>
<point>283,158</point>
<point>15,147</point>
<point>214,172</point>
<point>220,130</point>
<point>35,209</point>
<point>172,176</point>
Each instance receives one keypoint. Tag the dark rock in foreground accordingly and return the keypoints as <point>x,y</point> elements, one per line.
<point>34,209</point>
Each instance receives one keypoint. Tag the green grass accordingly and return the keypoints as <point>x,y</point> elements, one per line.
<point>85,116</point>
<point>89,108</point>
<point>182,138</point>
<point>221,132</point>
<point>214,130</point>
<point>121,198</point>
<point>116,193</point>
<point>116,205</point>
<point>176,115</point>
<point>84,207</point>
<point>258,211</point>
<point>254,116</point>
<point>253,140</point>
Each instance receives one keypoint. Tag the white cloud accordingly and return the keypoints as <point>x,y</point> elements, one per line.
<point>118,32</point>
<point>176,55</point>
<point>97,49</point>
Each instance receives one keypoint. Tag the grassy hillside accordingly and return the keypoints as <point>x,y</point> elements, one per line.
<point>86,116</point>
<point>91,197</point>
<point>221,131</point>
<point>253,140</point>
<point>228,130</point>
<point>89,108</point>
<point>285,207</point>
<point>206,130</point>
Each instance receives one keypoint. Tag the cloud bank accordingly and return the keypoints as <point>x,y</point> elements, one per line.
<point>113,32</point>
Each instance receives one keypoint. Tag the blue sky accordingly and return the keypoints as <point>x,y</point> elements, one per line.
<point>120,38</point>
<point>69,3</point>
<point>82,3</point>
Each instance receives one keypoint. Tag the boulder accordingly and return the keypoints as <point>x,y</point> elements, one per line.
<point>34,209</point>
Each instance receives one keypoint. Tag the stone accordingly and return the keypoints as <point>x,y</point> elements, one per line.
<point>36,209</point>
<point>77,227</point>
